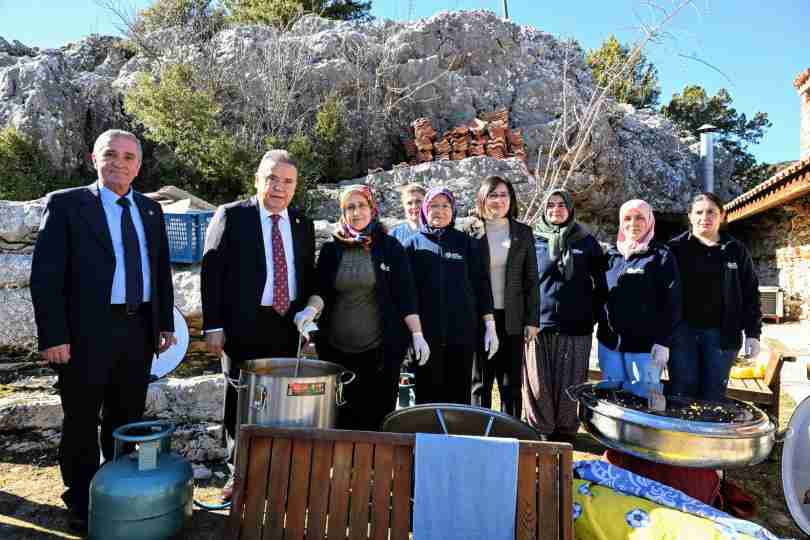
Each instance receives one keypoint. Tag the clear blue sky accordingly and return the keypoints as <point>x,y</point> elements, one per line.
<point>759,46</point>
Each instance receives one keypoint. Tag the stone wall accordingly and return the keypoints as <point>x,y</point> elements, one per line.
<point>779,240</point>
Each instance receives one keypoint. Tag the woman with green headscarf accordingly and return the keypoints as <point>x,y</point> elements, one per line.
<point>572,291</point>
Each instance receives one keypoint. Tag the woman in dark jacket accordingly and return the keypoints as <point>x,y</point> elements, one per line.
<point>370,316</point>
<point>507,248</point>
<point>643,306</point>
<point>720,303</point>
<point>454,294</point>
<point>572,292</point>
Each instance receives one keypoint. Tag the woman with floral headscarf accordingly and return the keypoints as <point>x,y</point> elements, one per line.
<point>572,290</point>
<point>370,316</point>
<point>454,294</point>
<point>643,308</point>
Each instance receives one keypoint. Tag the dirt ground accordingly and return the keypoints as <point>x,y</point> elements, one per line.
<point>30,486</point>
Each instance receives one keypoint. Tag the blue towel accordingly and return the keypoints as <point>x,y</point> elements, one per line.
<point>466,488</point>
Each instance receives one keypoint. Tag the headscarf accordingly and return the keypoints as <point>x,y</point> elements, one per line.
<point>626,246</point>
<point>347,234</point>
<point>432,193</point>
<point>560,237</point>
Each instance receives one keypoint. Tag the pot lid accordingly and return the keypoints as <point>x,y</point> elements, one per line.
<point>166,362</point>
<point>455,419</point>
<point>796,465</point>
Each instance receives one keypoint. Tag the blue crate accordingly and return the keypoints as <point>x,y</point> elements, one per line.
<point>186,234</point>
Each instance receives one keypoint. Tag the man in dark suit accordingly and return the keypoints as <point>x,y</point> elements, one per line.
<point>101,286</point>
<point>257,277</point>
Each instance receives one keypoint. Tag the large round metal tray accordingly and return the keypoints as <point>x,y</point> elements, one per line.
<point>674,441</point>
<point>455,419</point>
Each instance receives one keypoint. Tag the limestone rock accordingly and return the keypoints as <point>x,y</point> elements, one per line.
<point>27,410</point>
<point>17,330</point>
<point>196,399</point>
<point>15,270</point>
<point>19,224</point>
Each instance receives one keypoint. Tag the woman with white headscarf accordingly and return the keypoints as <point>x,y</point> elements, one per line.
<point>643,308</point>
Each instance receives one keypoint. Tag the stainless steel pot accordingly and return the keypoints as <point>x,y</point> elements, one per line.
<point>290,392</point>
<point>674,441</point>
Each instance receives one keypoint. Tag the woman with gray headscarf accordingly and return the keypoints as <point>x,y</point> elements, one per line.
<point>572,292</point>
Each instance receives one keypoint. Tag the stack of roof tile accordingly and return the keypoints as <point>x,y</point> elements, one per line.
<point>443,147</point>
<point>478,138</point>
<point>517,147</point>
<point>424,134</point>
<point>460,141</point>
<point>496,145</point>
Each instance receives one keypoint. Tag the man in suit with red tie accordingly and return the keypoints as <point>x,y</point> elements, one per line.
<point>258,272</point>
<point>102,291</point>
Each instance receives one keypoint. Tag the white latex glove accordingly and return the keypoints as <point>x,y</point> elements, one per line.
<point>490,339</point>
<point>421,351</point>
<point>303,319</point>
<point>660,355</point>
<point>751,347</point>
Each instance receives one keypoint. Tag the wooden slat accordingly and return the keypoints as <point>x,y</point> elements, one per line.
<point>401,504</point>
<point>256,488</point>
<point>361,491</point>
<point>240,477</point>
<point>319,489</point>
<point>339,496</point>
<point>526,514</point>
<point>277,489</point>
<point>299,490</point>
<point>548,506</point>
<point>566,496</point>
<point>381,504</point>
<point>334,435</point>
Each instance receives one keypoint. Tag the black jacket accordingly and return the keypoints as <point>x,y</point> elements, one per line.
<point>72,275</point>
<point>572,307</point>
<point>740,288</point>
<point>644,300</point>
<point>521,288</point>
<point>396,296</point>
<point>234,268</point>
<point>452,286</point>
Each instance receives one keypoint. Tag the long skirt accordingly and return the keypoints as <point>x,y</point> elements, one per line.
<point>558,361</point>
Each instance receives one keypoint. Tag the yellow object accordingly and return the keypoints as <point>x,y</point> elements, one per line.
<point>753,369</point>
<point>601,513</point>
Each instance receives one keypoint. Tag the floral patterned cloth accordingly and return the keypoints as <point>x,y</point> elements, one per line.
<point>610,502</point>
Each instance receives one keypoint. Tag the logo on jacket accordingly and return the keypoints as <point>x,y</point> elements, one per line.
<point>732,266</point>
<point>576,251</point>
<point>453,256</point>
<point>384,267</point>
<point>634,271</point>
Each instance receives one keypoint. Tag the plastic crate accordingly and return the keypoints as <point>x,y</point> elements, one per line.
<point>186,234</point>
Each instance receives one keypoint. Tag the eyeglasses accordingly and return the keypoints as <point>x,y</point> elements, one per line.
<point>495,195</point>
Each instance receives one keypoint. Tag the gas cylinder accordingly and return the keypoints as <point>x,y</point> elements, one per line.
<point>145,494</point>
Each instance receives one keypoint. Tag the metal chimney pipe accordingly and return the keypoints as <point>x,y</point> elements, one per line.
<point>707,156</point>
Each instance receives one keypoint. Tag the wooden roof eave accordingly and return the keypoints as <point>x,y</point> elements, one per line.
<point>792,188</point>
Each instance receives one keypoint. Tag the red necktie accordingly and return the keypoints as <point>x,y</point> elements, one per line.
<point>281,290</point>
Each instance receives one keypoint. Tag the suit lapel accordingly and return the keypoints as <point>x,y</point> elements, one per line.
<point>93,214</point>
<point>514,240</point>
<point>298,232</point>
<point>151,228</point>
<point>254,229</point>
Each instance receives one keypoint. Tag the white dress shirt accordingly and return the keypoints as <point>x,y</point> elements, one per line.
<point>113,212</point>
<point>289,254</point>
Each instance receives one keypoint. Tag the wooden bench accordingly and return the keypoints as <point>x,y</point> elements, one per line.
<point>764,393</point>
<point>313,483</point>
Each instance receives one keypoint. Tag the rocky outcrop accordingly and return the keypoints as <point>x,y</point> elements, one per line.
<point>451,68</point>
